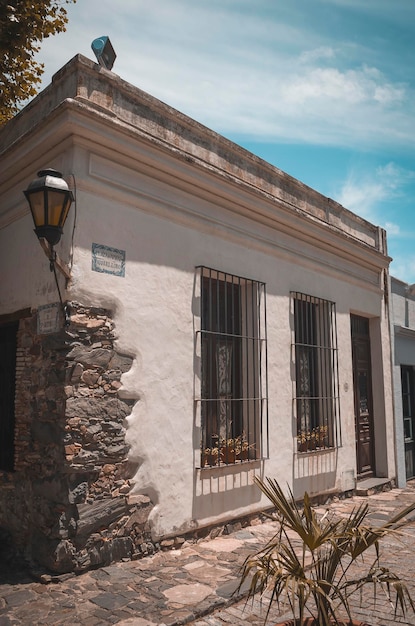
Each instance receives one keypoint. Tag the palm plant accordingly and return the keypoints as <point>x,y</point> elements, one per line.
<point>309,561</point>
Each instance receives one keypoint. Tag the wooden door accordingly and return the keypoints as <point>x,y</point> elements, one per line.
<point>362,385</point>
<point>408,409</point>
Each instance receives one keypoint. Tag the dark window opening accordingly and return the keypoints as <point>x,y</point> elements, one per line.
<point>8,346</point>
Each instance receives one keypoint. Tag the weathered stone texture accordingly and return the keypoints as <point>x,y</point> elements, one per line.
<point>66,505</point>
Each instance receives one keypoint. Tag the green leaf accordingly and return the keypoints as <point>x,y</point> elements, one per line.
<point>23,26</point>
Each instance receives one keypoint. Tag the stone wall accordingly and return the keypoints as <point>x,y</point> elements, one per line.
<point>67,504</point>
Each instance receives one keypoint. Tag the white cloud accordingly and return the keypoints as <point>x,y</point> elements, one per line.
<point>254,73</point>
<point>381,196</point>
<point>366,192</point>
<point>393,229</point>
<point>394,176</point>
<point>343,88</point>
<point>362,195</point>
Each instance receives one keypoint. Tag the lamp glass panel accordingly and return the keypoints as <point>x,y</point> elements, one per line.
<point>65,211</point>
<point>37,206</point>
<point>55,201</point>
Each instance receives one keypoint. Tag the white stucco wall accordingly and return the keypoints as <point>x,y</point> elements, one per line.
<point>154,306</point>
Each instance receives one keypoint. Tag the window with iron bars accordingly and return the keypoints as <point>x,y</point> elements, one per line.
<point>316,371</point>
<point>233,386</point>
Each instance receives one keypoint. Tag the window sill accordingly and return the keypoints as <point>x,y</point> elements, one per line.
<point>238,465</point>
<point>315,451</point>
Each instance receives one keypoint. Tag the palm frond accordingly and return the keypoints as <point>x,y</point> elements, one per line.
<point>310,558</point>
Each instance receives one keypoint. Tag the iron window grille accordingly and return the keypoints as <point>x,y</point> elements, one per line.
<point>233,374</point>
<point>316,402</point>
<point>8,347</point>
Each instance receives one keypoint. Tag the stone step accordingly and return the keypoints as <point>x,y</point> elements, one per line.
<point>369,486</point>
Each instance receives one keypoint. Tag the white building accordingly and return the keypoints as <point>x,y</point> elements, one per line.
<point>402,313</point>
<point>227,321</point>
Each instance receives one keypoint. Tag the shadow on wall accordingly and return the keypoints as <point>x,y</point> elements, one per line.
<point>314,472</point>
<point>222,490</point>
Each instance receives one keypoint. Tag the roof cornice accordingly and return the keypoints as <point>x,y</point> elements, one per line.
<point>88,103</point>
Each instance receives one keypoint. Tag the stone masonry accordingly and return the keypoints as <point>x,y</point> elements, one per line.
<point>67,504</point>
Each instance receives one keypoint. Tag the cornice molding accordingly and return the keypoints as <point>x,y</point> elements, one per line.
<point>250,206</point>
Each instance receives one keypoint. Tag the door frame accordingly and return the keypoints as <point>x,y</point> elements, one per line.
<point>363,407</point>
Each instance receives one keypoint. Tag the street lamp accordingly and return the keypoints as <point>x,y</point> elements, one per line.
<point>49,199</point>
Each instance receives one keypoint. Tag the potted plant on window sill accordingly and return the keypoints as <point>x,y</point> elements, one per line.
<point>243,448</point>
<point>315,439</point>
<point>309,561</point>
<point>235,449</point>
<point>210,456</point>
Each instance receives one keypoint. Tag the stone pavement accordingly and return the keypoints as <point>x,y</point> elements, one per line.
<point>193,585</point>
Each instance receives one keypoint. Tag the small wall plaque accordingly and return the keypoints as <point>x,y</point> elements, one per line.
<point>48,319</point>
<point>108,260</point>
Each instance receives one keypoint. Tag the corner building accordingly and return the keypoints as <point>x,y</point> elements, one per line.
<point>227,321</point>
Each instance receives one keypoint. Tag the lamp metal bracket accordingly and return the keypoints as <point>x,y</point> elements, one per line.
<point>50,253</point>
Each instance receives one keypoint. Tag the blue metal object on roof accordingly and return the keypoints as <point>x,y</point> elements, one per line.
<point>104,52</point>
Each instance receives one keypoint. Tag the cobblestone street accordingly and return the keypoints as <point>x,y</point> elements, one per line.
<point>192,585</point>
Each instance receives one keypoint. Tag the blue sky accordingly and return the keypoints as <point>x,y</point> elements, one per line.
<point>323,89</point>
